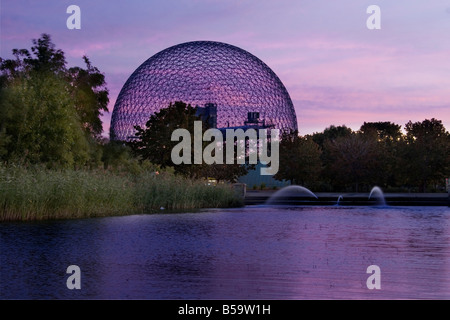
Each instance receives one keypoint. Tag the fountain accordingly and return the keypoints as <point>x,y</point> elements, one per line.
<point>299,195</point>
<point>291,195</point>
<point>377,193</point>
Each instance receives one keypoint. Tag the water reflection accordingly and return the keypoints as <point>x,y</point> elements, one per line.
<point>248,253</point>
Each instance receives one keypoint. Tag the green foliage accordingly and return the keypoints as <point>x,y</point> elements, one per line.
<point>154,144</point>
<point>425,153</point>
<point>300,160</point>
<point>225,172</point>
<point>50,114</point>
<point>354,160</point>
<point>46,59</point>
<point>36,193</point>
<point>331,133</point>
<point>378,154</point>
<point>116,154</point>
<point>176,193</point>
<point>39,122</point>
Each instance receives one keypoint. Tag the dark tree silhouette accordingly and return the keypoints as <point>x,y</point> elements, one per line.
<point>154,143</point>
<point>300,161</point>
<point>354,160</point>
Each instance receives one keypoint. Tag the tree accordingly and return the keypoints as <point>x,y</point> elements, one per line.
<point>353,160</point>
<point>300,161</point>
<point>426,153</point>
<point>40,123</point>
<point>88,88</point>
<point>331,133</point>
<point>46,59</point>
<point>50,113</point>
<point>226,172</point>
<point>385,131</point>
<point>154,143</point>
<point>388,137</point>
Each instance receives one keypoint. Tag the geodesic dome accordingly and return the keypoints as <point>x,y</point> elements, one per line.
<point>198,73</point>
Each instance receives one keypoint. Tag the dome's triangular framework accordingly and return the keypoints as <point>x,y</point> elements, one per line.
<point>198,73</point>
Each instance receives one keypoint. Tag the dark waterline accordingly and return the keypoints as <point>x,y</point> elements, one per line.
<point>255,252</point>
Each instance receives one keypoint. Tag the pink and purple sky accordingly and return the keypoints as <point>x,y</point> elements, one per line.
<point>335,69</point>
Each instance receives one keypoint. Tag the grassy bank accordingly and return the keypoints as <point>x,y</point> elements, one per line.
<point>38,194</point>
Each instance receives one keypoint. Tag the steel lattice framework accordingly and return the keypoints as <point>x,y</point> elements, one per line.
<point>198,73</point>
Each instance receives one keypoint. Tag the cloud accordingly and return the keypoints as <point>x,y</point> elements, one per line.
<point>335,70</point>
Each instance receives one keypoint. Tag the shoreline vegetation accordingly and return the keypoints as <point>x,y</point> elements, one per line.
<point>36,193</point>
<point>55,163</point>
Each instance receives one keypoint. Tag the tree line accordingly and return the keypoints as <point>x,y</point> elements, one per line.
<point>50,113</point>
<point>337,159</point>
<point>379,153</point>
<point>154,143</point>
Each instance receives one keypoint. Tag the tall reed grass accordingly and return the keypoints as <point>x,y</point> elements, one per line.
<point>39,194</point>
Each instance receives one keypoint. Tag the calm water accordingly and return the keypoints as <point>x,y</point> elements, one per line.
<point>246,253</point>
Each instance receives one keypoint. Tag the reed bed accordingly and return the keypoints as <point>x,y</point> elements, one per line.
<point>40,194</point>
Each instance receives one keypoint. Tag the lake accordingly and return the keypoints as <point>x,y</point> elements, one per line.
<point>255,252</point>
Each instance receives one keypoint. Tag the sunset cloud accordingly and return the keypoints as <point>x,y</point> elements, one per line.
<point>335,69</point>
